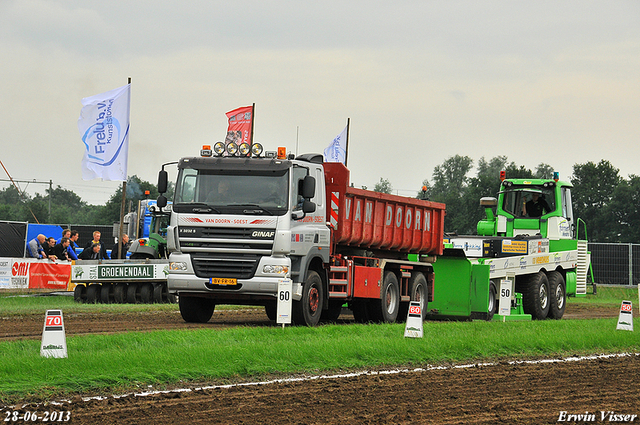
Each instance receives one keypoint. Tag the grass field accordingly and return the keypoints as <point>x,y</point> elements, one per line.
<point>121,362</point>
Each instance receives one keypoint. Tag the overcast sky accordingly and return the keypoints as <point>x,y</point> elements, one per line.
<point>538,81</point>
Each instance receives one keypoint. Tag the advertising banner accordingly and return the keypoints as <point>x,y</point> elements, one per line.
<point>49,276</point>
<point>127,272</point>
<point>31,273</point>
<point>239,130</point>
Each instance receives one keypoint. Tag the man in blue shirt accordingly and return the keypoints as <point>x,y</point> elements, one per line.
<point>34,247</point>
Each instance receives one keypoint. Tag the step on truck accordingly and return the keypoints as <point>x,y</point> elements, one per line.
<point>531,241</point>
<point>241,223</point>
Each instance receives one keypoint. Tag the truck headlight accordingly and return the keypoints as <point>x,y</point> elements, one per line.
<point>275,269</point>
<point>178,266</point>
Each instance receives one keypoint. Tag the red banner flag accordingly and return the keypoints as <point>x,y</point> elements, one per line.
<point>240,126</point>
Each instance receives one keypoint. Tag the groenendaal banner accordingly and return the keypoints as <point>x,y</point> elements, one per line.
<point>104,128</point>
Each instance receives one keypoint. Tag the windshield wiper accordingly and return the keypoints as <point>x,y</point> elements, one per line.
<point>258,211</point>
<point>199,207</point>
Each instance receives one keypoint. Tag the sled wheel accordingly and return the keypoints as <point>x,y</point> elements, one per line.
<point>120,293</point>
<point>132,293</point>
<point>80,294</point>
<point>146,293</point>
<point>106,293</point>
<point>92,293</point>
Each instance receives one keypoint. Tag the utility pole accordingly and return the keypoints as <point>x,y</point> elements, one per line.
<point>50,183</point>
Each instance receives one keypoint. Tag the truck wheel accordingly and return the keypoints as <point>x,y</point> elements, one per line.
<point>106,293</point>
<point>92,293</point>
<point>308,310</point>
<point>120,293</point>
<point>558,295</point>
<point>386,308</point>
<point>272,311</point>
<point>146,293</point>
<point>80,293</point>
<point>419,291</point>
<point>493,304</point>
<point>360,311</point>
<point>196,309</point>
<point>536,296</point>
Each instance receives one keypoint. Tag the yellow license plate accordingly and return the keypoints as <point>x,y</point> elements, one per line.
<point>223,281</point>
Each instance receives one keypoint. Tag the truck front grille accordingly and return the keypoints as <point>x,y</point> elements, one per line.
<point>224,265</point>
<point>230,252</point>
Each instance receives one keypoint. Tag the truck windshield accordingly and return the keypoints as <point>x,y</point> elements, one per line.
<point>218,192</point>
<point>528,201</point>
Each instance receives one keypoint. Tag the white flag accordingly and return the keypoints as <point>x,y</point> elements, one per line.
<point>337,150</point>
<point>104,128</point>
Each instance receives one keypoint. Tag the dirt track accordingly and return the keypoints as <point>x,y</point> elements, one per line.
<point>502,393</point>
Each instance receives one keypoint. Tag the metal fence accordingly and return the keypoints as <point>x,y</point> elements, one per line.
<point>615,263</point>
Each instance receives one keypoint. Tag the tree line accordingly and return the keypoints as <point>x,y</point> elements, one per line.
<point>65,207</point>
<point>608,203</point>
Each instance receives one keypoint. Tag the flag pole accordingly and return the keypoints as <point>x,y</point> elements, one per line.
<point>253,118</point>
<point>346,147</point>
<point>124,191</point>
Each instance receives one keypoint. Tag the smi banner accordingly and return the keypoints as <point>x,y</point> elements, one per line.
<point>104,127</point>
<point>239,130</point>
<point>30,273</point>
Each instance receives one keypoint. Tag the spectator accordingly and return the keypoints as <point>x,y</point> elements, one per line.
<point>48,246</point>
<point>66,233</point>
<point>125,248</point>
<point>71,249</point>
<point>34,247</point>
<point>96,240</point>
<point>60,250</point>
<point>92,252</point>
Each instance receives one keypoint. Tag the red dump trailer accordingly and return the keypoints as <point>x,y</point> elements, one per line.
<point>372,234</point>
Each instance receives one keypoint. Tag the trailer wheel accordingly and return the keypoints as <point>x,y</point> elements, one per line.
<point>558,295</point>
<point>386,308</point>
<point>106,293</point>
<point>80,293</point>
<point>196,309</point>
<point>536,296</point>
<point>120,293</point>
<point>92,293</point>
<point>308,310</point>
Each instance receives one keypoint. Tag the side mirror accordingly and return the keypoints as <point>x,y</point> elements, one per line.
<point>162,182</point>
<point>308,187</point>
<point>162,201</point>
<point>308,206</point>
<point>488,202</point>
